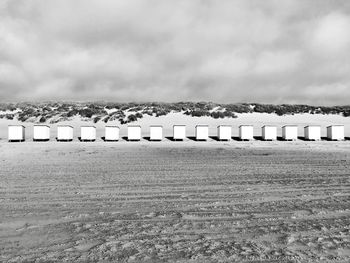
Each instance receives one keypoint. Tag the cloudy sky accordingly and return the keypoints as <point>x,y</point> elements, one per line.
<point>272,51</point>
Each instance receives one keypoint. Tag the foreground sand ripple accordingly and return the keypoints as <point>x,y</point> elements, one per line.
<point>175,202</point>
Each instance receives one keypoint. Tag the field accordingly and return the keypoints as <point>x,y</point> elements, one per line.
<point>175,202</point>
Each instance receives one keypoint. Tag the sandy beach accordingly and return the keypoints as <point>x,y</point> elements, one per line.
<point>175,201</point>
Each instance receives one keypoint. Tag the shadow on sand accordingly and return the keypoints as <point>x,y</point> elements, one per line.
<point>79,138</point>
<point>57,140</point>
<point>147,138</point>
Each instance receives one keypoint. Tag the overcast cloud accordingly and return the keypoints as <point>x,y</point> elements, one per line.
<point>269,51</point>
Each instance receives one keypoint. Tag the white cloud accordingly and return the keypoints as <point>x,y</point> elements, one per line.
<point>277,62</point>
<point>10,75</point>
<point>227,65</point>
<point>173,50</point>
<point>332,34</point>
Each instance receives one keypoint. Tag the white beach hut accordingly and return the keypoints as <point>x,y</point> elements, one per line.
<point>335,132</point>
<point>269,133</point>
<point>64,133</point>
<point>224,132</point>
<point>202,132</point>
<point>16,133</point>
<point>87,133</point>
<point>179,132</point>
<point>312,133</point>
<point>41,133</point>
<point>134,132</point>
<point>290,132</point>
<point>246,132</point>
<point>112,133</point>
<point>156,133</point>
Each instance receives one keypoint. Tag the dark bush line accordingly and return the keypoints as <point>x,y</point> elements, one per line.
<point>98,111</point>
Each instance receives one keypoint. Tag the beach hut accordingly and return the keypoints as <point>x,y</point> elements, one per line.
<point>312,133</point>
<point>335,132</point>
<point>134,133</point>
<point>202,132</point>
<point>156,133</point>
<point>246,132</point>
<point>64,133</point>
<point>87,133</point>
<point>290,132</point>
<point>112,133</point>
<point>179,132</point>
<point>224,132</point>
<point>269,133</point>
<point>16,133</point>
<point>41,133</point>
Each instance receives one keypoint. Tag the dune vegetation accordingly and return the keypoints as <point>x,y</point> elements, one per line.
<point>54,112</point>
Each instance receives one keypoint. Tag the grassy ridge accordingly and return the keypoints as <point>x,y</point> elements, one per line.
<point>53,112</point>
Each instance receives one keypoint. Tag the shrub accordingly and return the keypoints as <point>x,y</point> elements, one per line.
<point>346,113</point>
<point>96,119</point>
<point>132,118</point>
<point>72,113</point>
<point>10,116</point>
<point>217,115</point>
<point>199,113</point>
<point>229,114</point>
<point>86,113</point>
<point>138,115</point>
<point>161,113</point>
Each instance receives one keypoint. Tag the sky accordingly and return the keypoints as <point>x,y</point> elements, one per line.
<point>271,51</point>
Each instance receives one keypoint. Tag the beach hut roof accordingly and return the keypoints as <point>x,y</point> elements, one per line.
<point>134,125</point>
<point>224,126</point>
<point>202,125</point>
<point>156,126</point>
<point>337,125</point>
<point>312,126</point>
<point>244,125</point>
<point>290,125</point>
<point>14,125</point>
<point>41,125</point>
<point>64,126</point>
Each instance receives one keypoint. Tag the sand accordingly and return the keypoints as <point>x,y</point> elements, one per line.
<point>175,201</point>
